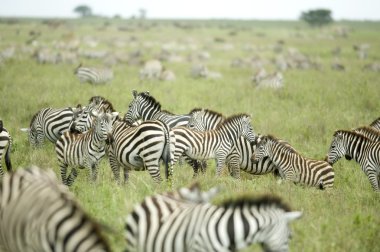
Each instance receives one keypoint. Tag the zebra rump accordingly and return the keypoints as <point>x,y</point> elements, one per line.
<point>93,75</point>
<point>37,213</point>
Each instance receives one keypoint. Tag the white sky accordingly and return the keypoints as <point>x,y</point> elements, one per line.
<point>233,9</point>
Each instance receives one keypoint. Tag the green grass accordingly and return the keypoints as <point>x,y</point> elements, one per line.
<point>312,105</point>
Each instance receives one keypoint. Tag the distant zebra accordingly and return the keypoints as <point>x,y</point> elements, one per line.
<point>139,148</point>
<point>274,80</point>
<point>239,158</point>
<point>376,124</point>
<point>164,223</point>
<point>216,143</point>
<point>50,123</point>
<point>5,146</point>
<point>369,132</point>
<point>93,75</point>
<point>37,213</point>
<point>84,150</point>
<point>292,165</point>
<point>146,107</point>
<point>362,149</point>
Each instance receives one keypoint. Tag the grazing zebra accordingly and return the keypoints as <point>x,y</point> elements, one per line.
<point>139,148</point>
<point>5,145</point>
<point>167,223</point>
<point>93,75</point>
<point>369,132</point>
<point>216,143</point>
<point>37,213</point>
<point>240,158</point>
<point>84,150</point>
<point>360,148</point>
<point>376,124</point>
<point>292,165</point>
<point>263,80</point>
<point>146,107</point>
<point>50,123</point>
<point>152,70</point>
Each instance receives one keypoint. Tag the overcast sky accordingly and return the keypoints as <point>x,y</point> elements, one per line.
<point>232,9</point>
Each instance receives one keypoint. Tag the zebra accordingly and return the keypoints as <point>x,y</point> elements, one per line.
<point>37,213</point>
<point>139,148</point>
<point>376,124</point>
<point>216,143</point>
<point>164,223</point>
<point>50,123</point>
<point>240,158</point>
<point>84,150</point>
<point>292,165</point>
<point>146,107</point>
<point>93,75</point>
<point>360,148</point>
<point>369,132</point>
<point>274,80</point>
<point>5,146</point>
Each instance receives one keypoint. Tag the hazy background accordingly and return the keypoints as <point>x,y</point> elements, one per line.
<point>197,9</point>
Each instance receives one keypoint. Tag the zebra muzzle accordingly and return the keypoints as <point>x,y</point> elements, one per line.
<point>109,139</point>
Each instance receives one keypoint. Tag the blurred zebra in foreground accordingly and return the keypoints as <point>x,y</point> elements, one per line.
<point>37,213</point>
<point>84,150</point>
<point>50,123</point>
<point>363,150</point>
<point>93,75</point>
<point>240,157</point>
<point>139,148</point>
<point>5,146</point>
<point>376,124</point>
<point>146,107</point>
<point>216,143</point>
<point>292,165</point>
<point>172,222</point>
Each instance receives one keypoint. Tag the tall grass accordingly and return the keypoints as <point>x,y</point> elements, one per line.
<point>306,112</point>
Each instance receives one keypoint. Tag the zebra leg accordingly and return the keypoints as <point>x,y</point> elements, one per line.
<point>154,170</point>
<point>71,178</point>
<point>126,174</point>
<point>1,170</point>
<point>94,172</point>
<point>203,165</point>
<point>373,178</point>
<point>115,167</point>
<point>233,165</point>
<point>63,173</point>
<point>219,165</point>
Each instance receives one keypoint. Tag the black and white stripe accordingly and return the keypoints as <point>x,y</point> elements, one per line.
<point>93,75</point>
<point>292,165</point>
<point>139,148</point>
<point>39,214</point>
<point>369,132</point>
<point>217,143</point>
<point>146,107</point>
<point>5,146</point>
<point>84,150</point>
<point>360,148</point>
<point>376,124</point>
<point>167,223</point>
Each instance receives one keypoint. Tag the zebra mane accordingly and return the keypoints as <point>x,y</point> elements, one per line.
<point>351,133</point>
<point>167,112</point>
<point>259,202</point>
<point>284,143</point>
<point>99,100</point>
<point>375,122</point>
<point>207,111</point>
<point>368,129</point>
<point>231,119</point>
<point>151,100</point>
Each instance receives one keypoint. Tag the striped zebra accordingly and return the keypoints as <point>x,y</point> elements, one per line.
<point>167,223</point>
<point>360,148</point>
<point>146,107</point>
<point>240,157</point>
<point>93,75</point>
<point>37,213</point>
<point>292,165</point>
<point>216,143</point>
<point>84,150</point>
<point>369,132</point>
<point>50,123</point>
<point>139,148</point>
<point>5,146</point>
<point>376,124</point>
<point>270,81</point>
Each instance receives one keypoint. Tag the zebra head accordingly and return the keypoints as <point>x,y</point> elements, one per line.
<point>262,149</point>
<point>102,124</point>
<point>136,106</point>
<point>247,129</point>
<point>337,149</point>
<point>82,119</point>
<point>196,121</point>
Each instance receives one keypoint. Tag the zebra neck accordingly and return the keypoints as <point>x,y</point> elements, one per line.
<point>98,140</point>
<point>281,156</point>
<point>231,133</point>
<point>356,148</point>
<point>149,113</point>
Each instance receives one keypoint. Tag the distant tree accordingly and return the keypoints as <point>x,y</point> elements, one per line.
<point>83,10</point>
<point>318,17</point>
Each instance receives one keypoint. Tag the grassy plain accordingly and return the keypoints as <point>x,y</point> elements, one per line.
<point>306,112</point>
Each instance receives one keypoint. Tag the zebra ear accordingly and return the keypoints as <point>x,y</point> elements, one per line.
<point>134,93</point>
<point>290,216</point>
<point>146,93</point>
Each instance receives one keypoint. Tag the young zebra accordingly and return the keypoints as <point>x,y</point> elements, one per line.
<point>50,123</point>
<point>93,75</point>
<point>239,158</point>
<point>164,223</point>
<point>139,148</point>
<point>37,213</point>
<point>84,150</point>
<point>292,165</point>
<point>146,107</point>
<point>360,148</point>
<point>5,146</point>
<point>376,124</point>
<point>216,143</point>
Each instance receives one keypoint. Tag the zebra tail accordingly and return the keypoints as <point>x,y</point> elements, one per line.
<point>166,153</point>
<point>8,156</point>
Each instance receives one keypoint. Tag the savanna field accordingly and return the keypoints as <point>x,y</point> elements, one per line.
<point>312,105</point>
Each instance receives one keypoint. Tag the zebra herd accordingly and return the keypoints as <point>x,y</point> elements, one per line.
<point>174,221</point>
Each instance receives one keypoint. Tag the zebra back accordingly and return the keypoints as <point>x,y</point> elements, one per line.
<point>93,75</point>
<point>39,214</point>
<point>369,132</point>
<point>376,124</point>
